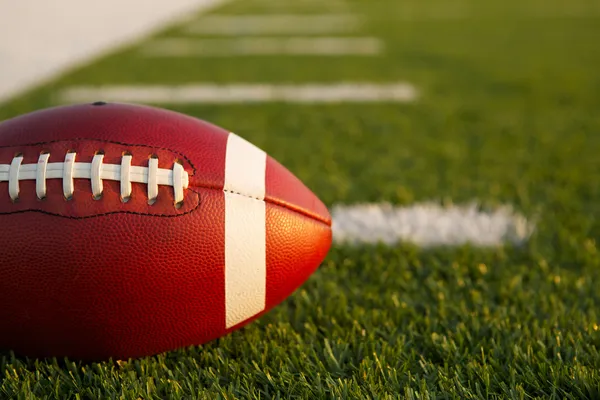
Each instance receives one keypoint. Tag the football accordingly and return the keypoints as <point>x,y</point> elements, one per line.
<point>129,230</point>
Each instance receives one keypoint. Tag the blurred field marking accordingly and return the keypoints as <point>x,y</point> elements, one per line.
<point>429,224</point>
<point>264,46</point>
<point>460,11</point>
<point>299,24</point>
<point>400,92</point>
<point>315,4</point>
<point>40,40</point>
<point>310,6</point>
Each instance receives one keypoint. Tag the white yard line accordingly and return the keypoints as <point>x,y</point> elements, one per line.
<point>400,92</point>
<point>448,11</point>
<point>39,40</point>
<point>295,24</point>
<point>264,46</point>
<point>314,5</point>
<point>429,224</point>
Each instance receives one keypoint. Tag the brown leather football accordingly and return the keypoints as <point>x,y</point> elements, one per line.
<point>129,230</point>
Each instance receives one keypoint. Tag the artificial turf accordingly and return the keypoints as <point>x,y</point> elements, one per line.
<point>507,114</point>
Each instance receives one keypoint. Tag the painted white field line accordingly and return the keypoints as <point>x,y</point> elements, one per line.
<point>40,40</point>
<point>292,3</point>
<point>460,11</point>
<point>316,5</point>
<point>429,224</point>
<point>567,9</point>
<point>295,24</point>
<point>264,46</point>
<point>400,92</point>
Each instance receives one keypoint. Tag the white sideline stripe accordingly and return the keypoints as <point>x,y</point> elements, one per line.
<point>273,24</point>
<point>245,231</point>
<point>429,224</point>
<point>40,40</point>
<point>399,92</point>
<point>264,46</point>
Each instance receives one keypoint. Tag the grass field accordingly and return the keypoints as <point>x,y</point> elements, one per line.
<point>508,113</point>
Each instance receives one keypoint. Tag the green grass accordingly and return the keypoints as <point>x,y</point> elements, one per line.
<point>508,114</point>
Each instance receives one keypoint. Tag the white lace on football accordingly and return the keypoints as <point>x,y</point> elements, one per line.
<point>96,172</point>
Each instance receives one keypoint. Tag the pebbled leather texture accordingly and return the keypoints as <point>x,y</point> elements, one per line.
<point>95,279</point>
<point>287,190</point>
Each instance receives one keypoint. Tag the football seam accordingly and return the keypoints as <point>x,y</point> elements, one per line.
<point>280,203</point>
<point>283,204</point>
